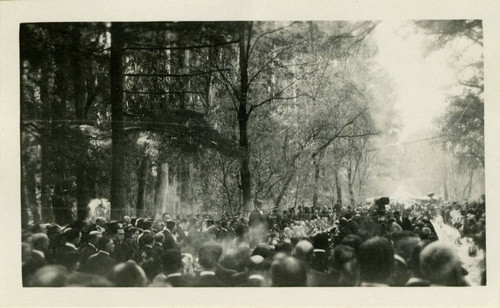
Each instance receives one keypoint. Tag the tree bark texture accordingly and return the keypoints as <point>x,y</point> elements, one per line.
<point>245,175</point>
<point>141,185</point>
<point>82,190</point>
<point>118,174</point>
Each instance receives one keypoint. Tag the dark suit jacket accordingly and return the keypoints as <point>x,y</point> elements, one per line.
<point>401,273</point>
<point>255,218</point>
<point>319,260</point>
<point>99,264</point>
<point>123,252</point>
<point>64,250</point>
<point>85,253</point>
<point>179,281</point>
<point>36,262</point>
<point>150,262</point>
<point>207,281</point>
<point>169,241</point>
<point>319,279</point>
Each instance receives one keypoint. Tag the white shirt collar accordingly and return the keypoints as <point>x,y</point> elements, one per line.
<point>207,273</point>
<point>174,275</point>
<point>257,277</point>
<point>319,250</point>
<point>92,245</point>
<point>70,245</point>
<point>399,258</point>
<point>104,252</point>
<point>39,252</point>
<point>150,246</point>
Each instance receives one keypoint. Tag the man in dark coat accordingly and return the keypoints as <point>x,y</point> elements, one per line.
<point>72,238</point>
<point>209,255</point>
<point>101,263</point>
<point>256,216</point>
<point>314,278</point>
<point>37,260</point>
<point>168,232</point>
<point>149,259</point>
<point>90,248</point>
<point>172,270</point>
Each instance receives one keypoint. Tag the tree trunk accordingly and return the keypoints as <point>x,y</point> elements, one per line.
<point>59,143</point>
<point>45,150</point>
<point>283,190</point>
<point>350,183</point>
<point>184,182</point>
<point>246,182</point>
<point>338,205</point>
<point>24,204</point>
<point>471,176</point>
<point>141,185</point>
<point>316,181</point>
<point>118,174</point>
<point>161,190</point>
<point>82,190</point>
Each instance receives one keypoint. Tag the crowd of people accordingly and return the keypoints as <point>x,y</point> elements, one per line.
<point>360,246</point>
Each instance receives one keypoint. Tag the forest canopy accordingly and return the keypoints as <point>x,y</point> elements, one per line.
<point>184,117</point>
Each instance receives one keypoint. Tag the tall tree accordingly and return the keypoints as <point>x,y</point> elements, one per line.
<point>118,173</point>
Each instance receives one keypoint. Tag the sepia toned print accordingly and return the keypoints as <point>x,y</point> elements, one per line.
<point>252,154</point>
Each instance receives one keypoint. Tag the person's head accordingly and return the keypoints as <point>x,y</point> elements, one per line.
<point>209,255</point>
<point>101,222</point>
<point>376,260</point>
<point>119,235</point>
<point>27,237</point>
<point>263,250</point>
<point>127,219</point>
<point>147,238</point>
<point>26,252</point>
<point>288,272</point>
<point>170,225</point>
<point>343,259</point>
<point>128,274</point>
<point>132,233</point>
<point>320,241</point>
<point>304,251</point>
<point>165,217</point>
<point>105,243</point>
<point>172,261</point>
<point>73,236</point>
<point>139,223</point>
<point>159,237</point>
<point>404,242</point>
<point>49,276</point>
<point>93,237</point>
<point>257,265</point>
<point>158,226</point>
<point>40,241</point>
<point>352,240</point>
<point>440,265</point>
<point>148,225</point>
<point>283,246</point>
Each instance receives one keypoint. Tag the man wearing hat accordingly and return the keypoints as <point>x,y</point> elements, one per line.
<point>72,238</point>
<point>90,248</point>
<point>101,263</point>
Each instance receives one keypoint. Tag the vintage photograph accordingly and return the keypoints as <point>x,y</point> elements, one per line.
<point>252,154</point>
